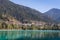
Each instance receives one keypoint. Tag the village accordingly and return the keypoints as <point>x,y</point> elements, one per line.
<point>12,23</point>
<point>30,26</point>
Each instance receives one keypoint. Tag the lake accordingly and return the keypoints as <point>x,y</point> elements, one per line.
<point>30,35</point>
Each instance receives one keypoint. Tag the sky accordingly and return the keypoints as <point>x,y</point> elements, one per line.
<point>40,5</point>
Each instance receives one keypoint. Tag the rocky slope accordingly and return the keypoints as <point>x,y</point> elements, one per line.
<point>21,12</point>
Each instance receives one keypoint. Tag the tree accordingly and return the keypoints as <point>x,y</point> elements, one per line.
<point>4,25</point>
<point>55,27</point>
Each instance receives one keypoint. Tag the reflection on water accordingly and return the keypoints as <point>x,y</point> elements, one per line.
<point>30,35</point>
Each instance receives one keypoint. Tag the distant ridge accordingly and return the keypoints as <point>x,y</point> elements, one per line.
<point>54,13</point>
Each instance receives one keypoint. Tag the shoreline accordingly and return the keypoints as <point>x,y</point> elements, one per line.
<point>25,30</point>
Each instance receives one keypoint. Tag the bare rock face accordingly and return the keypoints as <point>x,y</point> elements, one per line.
<point>3,1</point>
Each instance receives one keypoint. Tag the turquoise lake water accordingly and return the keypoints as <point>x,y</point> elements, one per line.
<point>30,35</point>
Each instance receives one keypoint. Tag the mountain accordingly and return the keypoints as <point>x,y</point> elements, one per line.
<point>54,13</point>
<point>20,12</point>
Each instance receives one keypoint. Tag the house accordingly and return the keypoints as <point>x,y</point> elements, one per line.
<point>38,23</point>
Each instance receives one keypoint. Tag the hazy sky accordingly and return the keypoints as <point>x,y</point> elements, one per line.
<point>40,5</point>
